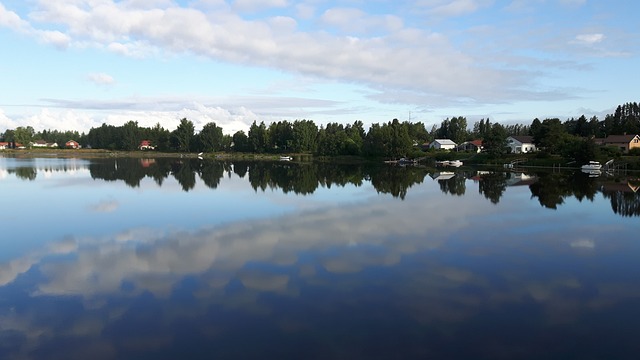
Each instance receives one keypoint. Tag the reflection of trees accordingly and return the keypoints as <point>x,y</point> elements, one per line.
<point>454,186</point>
<point>184,172</point>
<point>211,173</point>
<point>624,201</point>
<point>299,178</point>
<point>493,185</point>
<point>240,168</point>
<point>552,189</point>
<point>25,173</point>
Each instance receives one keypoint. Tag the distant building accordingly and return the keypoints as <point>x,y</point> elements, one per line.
<point>473,145</point>
<point>146,145</point>
<point>442,144</point>
<point>623,142</point>
<point>72,144</point>
<point>521,144</point>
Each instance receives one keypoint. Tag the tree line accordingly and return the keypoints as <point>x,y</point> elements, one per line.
<point>391,139</point>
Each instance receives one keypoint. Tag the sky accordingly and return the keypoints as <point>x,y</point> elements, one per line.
<point>76,64</point>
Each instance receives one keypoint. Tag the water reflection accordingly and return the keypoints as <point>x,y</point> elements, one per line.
<point>551,189</point>
<point>437,275</point>
<point>363,282</point>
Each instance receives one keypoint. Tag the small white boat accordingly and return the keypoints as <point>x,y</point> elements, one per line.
<point>286,158</point>
<point>592,165</point>
<point>455,163</point>
<point>592,172</point>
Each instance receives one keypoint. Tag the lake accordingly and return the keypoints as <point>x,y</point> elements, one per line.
<point>200,259</point>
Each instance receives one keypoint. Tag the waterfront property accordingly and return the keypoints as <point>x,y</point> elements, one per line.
<point>442,144</point>
<point>521,144</point>
<point>623,142</point>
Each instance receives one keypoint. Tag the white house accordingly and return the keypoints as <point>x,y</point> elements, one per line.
<point>444,144</point>
<point>521,144</point>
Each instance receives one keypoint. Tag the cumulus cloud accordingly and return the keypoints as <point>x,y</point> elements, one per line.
<point>589,39</point>
<point>396,57</point>
<point>256,5</point>
<point>352,20</point>
<point>456,7</point>
<point>101,78</point>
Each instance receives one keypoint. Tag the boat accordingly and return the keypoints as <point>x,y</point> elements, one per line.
<point>592,172</point>
<point>592,165</point>
<point>455,163</point>
<point>286,158</point>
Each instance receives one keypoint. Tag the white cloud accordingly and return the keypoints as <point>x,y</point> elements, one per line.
<point>352,20</point>
<point>589,39</point>
<point>398,57</point>
<point>257,5</point>
<point>443,8</point>
<point>12,20</point>
<point>55,38</point>
<point>101,78</point>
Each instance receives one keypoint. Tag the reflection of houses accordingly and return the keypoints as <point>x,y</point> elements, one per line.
<point>147,162</point>
<point>72,144</point>
<point>521,144</point>
<point>623,142</point>
<point>628,187</point>
<point>520,179</point>
<point>146,145</point>
<point>474,145</point>
<point>442,175</point>
<point>442,144</point>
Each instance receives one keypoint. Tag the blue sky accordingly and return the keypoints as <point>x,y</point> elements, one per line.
<point>75,64</point>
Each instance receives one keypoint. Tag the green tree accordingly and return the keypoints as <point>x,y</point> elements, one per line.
<point>495,141</point>
<point>130,136</point>
<point>550,136</point>
<point>240,142</point>
<point>258,137</point>
<point>305,135</point>
<point>182,137</point>
<point>23,135</point>
<point>211,137</point>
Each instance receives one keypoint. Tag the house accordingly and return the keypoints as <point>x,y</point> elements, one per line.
<point>39,143</point>
<point>146,145</point>
<point>4,145</point>
<point>473,145</point>
<point>521,144</point>
<point>72,144</point>
<point>442,144</point>
<point>623,142</point>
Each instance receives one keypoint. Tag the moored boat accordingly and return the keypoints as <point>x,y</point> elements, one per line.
<point>592,165</point>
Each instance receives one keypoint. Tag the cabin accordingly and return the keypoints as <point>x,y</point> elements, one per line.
<point>521,144</point>
<point>72,144</point>
<point>39,143</point>
<point>442,144</point>
<point>4,145</point>
<point>473,145</point>
<point>623,142</point>
<point>146,145</point>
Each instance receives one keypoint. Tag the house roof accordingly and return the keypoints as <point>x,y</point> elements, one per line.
<point>523,138</point>
<point>476,142</point>
<point>444,142</point>
<point>619,139</point>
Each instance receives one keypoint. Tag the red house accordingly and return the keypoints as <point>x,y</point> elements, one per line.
<point>146,145</point>
<point>72,144</point>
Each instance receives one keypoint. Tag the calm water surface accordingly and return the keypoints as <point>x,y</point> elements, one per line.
<point>189,259</point>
